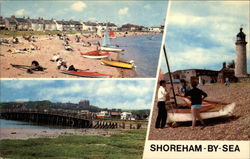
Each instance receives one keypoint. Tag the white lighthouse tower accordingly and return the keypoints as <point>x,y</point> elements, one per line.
<point>241,56</point>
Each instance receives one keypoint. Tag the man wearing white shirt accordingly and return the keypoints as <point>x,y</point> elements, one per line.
<point>162,111</point>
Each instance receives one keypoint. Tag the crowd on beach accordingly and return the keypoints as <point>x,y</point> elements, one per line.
<point>22,50</point>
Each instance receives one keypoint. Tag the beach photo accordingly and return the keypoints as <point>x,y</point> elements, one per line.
<point>74,118</point>
<point>204,82</point>
<point>86,39</point>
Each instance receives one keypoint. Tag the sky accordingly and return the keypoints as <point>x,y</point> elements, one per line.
<point>146,13</point>
<point>123,94</point>
<point>202,34</point>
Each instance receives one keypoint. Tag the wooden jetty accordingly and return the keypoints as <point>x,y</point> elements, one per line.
<point>67,118</point>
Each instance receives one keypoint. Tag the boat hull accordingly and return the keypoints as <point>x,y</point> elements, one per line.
<point>184,115</point>
<point>82,73</point>
<point>95,54</point>
<point>117,64</point>
<point>111,49</point>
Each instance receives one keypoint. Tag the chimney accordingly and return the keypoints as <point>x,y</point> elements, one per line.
<point>224,64</point>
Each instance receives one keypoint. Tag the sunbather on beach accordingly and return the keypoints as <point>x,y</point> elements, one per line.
<point>61,64</point>
<point>55,57</point>
<point>197,96</point>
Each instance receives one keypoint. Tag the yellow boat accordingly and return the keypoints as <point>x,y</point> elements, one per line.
<point>120,64</point>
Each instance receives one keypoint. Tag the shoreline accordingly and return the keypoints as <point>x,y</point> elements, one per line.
<point>24,133</point>
<point>50,45</point>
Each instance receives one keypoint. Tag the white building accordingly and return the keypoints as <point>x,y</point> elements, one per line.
<point>127,116</point>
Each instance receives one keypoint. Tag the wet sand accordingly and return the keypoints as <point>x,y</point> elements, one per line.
<point>50,45</point>
<point>229,128</point>
<point>12,133</point>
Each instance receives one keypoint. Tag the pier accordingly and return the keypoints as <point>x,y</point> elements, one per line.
<point>68,118</point>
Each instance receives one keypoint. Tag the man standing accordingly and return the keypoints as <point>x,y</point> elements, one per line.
<point>162,111</point>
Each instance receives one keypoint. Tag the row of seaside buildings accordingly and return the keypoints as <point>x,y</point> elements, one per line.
<point>40,24</point>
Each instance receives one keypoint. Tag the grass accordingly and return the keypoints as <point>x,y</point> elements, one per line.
<point>11,33</point>
<point>128,144</point>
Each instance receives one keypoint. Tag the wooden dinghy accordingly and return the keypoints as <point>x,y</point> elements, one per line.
<point>208,111</point>
<point>120,64</point>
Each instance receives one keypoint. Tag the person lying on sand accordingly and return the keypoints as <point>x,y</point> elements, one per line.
<point>55,57</point>
<point>61,64</point>
<point>35,67</point>
<point>34,47</point>
<point>68,48</point>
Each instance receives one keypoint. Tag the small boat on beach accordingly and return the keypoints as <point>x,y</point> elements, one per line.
<point>207,112</point>
<point>106,44</point>
<point>120,64</point>
<point>111,49</point>
<point>82,73</point>
<point>97,54</point>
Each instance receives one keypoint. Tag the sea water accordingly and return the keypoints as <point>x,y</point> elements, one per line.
<point>143,50</point>
<point>12,124</point>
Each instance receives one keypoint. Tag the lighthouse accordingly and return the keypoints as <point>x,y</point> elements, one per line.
<point>241,56</point>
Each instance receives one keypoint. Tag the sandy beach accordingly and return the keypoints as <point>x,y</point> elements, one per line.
<point>12,133</point>
<point>50,45</point>
<point>230,128</point>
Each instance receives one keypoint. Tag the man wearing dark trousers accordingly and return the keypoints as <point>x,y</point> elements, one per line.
<point>162,111</point>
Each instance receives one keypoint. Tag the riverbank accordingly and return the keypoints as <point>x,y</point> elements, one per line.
<point>126,144</point>
<point>228,128</point>
<point>48,46</point>
<point>14,133</point>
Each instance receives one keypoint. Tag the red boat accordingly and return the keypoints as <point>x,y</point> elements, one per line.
<point>82,73</point>
<point>97,54</point>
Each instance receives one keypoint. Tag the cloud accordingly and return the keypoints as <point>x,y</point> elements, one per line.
<point>78,6</point>
<point>40,10</point>
<point>202,34</point>
<point>123,11</point>
<point>20,12</point>
<point>19,84</point>
<point>147,6</point>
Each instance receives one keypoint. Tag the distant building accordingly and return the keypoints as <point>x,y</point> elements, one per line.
<point>59,25</point>
<point>84,103</point>
<point>35,24</point>
<point>201,75</point>
<point>23,24</point>
<point>155,29</point>
<point>2,23</point>
<point>89,26</point>
<point>49,25</point>
<point>127,116</point>
<point>131,27</point>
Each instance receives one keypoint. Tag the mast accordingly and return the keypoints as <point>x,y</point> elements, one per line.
<point>169,73</point>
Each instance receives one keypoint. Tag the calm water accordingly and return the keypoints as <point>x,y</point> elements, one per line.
<point>143,51</point>
<point>5,124</point>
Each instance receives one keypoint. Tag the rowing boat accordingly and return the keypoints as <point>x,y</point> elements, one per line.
<point>213,110</point>
<point>82,73</point>
<point>97,54</point>
<point>120,64</point>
